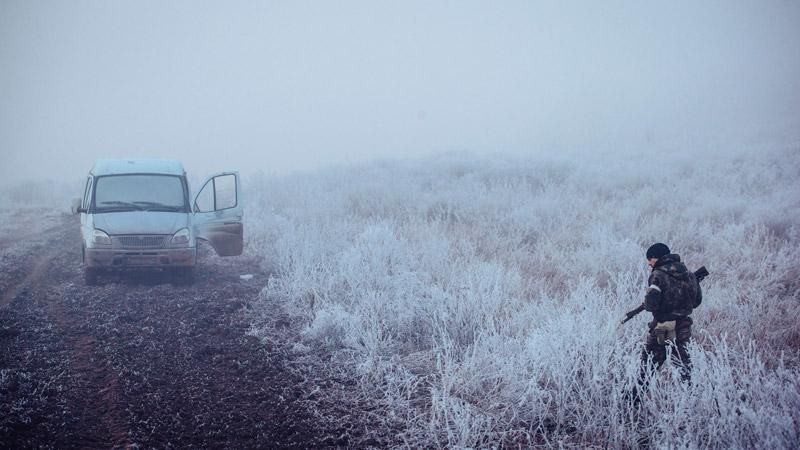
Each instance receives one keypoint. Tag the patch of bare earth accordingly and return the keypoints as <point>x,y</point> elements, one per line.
<point>140,362</point>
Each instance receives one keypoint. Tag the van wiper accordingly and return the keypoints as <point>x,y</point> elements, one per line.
<point>156,206</point>
<point>119,206</point>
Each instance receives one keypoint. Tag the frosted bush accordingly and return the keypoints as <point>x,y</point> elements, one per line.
<point>480,299</point>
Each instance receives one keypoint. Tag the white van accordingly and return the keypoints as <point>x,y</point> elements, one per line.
<point>136,214</point>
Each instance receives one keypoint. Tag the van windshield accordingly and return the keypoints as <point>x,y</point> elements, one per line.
<point>140,192</point>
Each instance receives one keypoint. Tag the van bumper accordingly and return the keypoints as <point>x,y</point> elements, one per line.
<point>140,259</point>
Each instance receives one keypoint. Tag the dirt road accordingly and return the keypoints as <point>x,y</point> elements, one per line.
<point>137,361</point>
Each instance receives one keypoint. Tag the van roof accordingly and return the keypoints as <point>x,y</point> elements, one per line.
<point>140,165</point>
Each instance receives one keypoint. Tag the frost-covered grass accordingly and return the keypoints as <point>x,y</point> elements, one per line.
<point>478,299</point>
<point>28,208</point>
<point>37,193</point>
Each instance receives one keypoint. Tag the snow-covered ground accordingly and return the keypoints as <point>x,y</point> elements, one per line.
<point>477,300</point>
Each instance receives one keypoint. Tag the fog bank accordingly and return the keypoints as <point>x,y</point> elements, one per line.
<point>282,86</point>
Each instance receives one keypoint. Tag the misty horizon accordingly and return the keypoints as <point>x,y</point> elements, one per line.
<point>286,86</point>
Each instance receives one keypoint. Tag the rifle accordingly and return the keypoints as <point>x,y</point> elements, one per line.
<point>699,274</point>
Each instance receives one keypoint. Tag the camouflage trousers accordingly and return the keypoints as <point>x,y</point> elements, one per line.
<point>680,354</point>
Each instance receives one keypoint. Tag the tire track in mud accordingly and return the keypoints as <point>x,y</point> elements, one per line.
<point>40,266</point>
<point>91,391</point>
<point>139,362</point>
<point>19,249</point>
<point>98,403</point>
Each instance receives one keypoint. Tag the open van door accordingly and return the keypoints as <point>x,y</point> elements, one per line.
<point>218,213</point>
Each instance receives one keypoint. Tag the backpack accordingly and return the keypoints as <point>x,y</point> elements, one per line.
<point>681,293</point>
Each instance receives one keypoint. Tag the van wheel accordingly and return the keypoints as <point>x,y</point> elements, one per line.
<point>90,276</point>
<point>184,275</point>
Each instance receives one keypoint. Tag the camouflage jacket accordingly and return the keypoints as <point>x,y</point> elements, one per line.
<point>672,290</point>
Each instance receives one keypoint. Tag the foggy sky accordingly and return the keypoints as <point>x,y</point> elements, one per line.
<point>285,85</point>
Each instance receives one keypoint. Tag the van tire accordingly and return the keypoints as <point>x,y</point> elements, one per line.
<point>90,276</point>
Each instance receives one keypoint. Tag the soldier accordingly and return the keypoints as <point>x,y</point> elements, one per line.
<point>672,293</point>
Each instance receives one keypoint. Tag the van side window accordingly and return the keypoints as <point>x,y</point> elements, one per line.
<point>225,190</point>
<point>205,199</point>
<point>217,194</point>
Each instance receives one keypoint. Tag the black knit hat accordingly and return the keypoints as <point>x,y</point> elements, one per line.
<point>657,251</point>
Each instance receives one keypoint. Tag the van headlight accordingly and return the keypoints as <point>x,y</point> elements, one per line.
<point>100,238</point>
<point>181,238</point>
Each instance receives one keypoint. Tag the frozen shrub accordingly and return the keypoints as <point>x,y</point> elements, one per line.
<point>480,298</point>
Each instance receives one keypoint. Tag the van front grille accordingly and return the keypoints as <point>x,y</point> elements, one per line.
<point>141,241</point>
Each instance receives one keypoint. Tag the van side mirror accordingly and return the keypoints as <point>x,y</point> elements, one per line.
<point>75,206</point>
